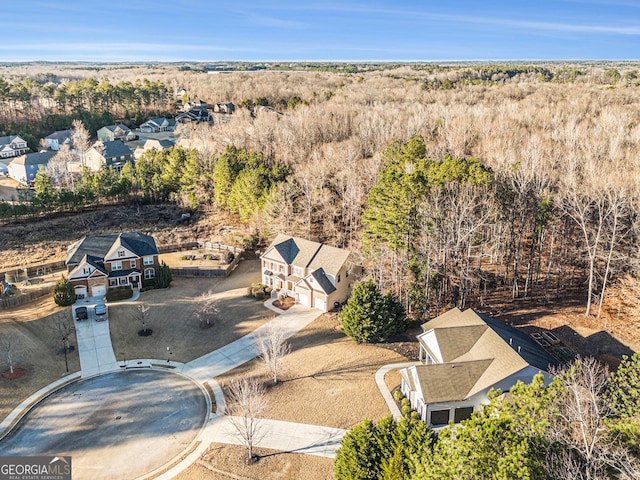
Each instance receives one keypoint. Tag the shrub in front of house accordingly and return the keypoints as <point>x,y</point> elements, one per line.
<point>259,294</point>
<point>163,277</point>
<point>63,293</point>
<point>119,293</point>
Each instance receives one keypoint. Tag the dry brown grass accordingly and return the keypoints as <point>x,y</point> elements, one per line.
<point>39,350</point>
<point>228,461</point>
<point>171,317</point>
<point>328,379</point>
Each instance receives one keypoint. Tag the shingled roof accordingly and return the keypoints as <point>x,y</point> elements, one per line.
<point>477,352</point>
<point>306,254</point>
<point>98,246</point>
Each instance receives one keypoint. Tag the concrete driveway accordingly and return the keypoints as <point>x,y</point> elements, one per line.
<point>94,341</point>
<point>116,426</point>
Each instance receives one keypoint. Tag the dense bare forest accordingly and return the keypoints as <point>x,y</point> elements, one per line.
<point>446,182</point>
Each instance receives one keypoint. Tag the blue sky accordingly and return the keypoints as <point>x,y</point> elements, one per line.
<point>401,30</point>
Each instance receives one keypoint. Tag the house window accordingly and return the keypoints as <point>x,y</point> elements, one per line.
<point>149,273</point>
<point>116,266</point>
<point>346,274</point>
<point>338,278</point>
<point>113,282</point>
<point>86,270</point>
<point>439,417</point>
<point>462,414</point>
<point>297,271</point>
<point>133,264</point>
<point>124,281</point>
<point>281,268</point>
<point>148,260</point>
<point>121,253</point>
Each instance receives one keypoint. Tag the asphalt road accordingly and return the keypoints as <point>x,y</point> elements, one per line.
<point>116,426</point>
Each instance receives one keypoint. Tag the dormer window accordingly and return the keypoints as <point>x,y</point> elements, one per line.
<point>121,253</point>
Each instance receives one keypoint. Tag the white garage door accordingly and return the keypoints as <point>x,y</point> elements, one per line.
<point>98,291</point>
<point>319,304</point>
<point>303,298</point>
<point>80,291</point>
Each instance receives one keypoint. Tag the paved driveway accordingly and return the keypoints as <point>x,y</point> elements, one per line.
<point>116,426</point>
<point>94,342</point>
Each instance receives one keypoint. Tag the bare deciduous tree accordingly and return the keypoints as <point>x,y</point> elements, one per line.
<point>81,139</point>
<point>206,310</point>
<point>273,347</point>
<point>586,449</point>
<point>10,348</point>
<point>247,402</point>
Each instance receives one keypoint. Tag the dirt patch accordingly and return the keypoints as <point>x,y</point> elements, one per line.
<point>229,461</point>
<point>327,378</point>
<point>17,373</point>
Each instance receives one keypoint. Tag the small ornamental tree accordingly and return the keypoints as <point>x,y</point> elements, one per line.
<point>624,387</point>
<point>163,277</point>
<point>63,293</point>
<point>370,316</point>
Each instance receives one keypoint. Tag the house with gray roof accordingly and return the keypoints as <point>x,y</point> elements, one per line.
<point>463,355</point>
<point>12,146</point>
<point>58,139</point>
<point>315,274</point>
<point>155,125</point>
<point>95,264</point>
<point>118,131</point>
<point>113,154</point>
<point>24,168</point>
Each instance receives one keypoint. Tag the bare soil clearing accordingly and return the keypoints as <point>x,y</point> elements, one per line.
<point>327,378</point>
<point>38,240</point>
<point>228,461</point>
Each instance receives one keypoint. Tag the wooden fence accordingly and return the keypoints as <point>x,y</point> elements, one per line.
<point>206,271</point>
<point>17,300</point>
<point>37,270</point>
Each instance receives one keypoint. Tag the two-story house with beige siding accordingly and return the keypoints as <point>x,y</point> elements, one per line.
<point>315,274</point>
<point>463,355</point>
<point>95,264</point>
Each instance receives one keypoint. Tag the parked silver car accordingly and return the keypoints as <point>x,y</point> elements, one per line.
<point>101,312</point>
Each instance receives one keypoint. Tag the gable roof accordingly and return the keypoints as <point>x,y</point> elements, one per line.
<point>60,135</point>
<point>321,282</point>
<point>97,247</point>
<point>304,253</point>
<point>450,382</point>
<point>113,128</point>
<point>159,121</point>
<point>6,140</point>
<point>112,149</point>
<point>466,338</point>
<point>40,158</point>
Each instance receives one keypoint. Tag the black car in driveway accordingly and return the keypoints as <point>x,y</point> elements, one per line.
<point>82,313</point>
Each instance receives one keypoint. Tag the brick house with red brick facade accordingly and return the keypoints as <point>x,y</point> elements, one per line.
<point>95,264</point>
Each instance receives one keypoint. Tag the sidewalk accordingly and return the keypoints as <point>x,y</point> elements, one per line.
<point>244,349</point>
<point>384,390</point>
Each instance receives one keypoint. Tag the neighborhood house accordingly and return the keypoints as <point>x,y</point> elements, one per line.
<point>465,355</point>
<point>316,275</point>
<point>12,146</point>
<point>113,154</point>
<point>58,139</point>
<point>24,168</point>
<point>155,125</point>
<point>115,132</point>
<point>95,264</point>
